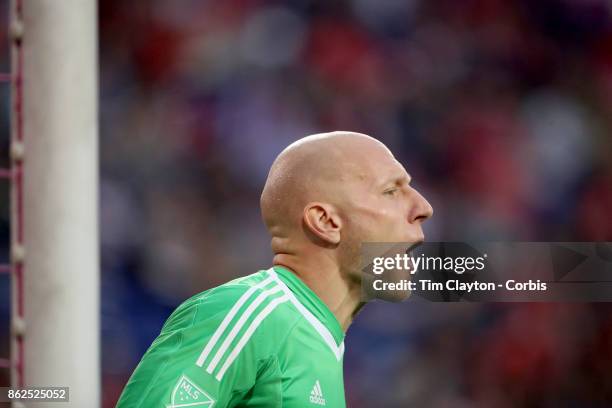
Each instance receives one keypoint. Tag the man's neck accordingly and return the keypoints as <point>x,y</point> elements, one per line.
<point>340,295</point>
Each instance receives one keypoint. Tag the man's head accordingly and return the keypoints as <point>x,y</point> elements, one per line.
<point>328,193</point>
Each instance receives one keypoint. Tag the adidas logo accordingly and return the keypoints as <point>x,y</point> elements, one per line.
<point>316,395</point>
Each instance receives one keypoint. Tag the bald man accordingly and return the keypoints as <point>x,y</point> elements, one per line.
<point>276,338</point>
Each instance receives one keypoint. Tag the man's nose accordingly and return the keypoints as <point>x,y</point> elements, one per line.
<point>421,209</point>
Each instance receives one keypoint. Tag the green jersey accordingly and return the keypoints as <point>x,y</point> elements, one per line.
<point>264,340</point>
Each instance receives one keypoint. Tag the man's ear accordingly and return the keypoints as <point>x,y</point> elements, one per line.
<point>323,221</point>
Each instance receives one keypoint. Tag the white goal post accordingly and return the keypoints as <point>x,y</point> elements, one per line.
<point>60,326</point>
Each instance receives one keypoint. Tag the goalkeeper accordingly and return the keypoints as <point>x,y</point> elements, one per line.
<point>276,338</point>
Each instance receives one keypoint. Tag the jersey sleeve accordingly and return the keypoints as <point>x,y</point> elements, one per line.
<point>196,359</point>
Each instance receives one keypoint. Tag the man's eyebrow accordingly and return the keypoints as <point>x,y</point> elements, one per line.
<point>398,179</point>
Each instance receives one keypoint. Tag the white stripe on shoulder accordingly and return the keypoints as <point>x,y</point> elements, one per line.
<point>249,332</point>
<point>228,318</point>
<point>243,318</point>
<point>316,323</point>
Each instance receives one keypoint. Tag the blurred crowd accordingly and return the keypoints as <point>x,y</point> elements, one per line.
<point>500,110</point>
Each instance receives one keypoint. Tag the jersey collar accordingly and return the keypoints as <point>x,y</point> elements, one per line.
<point>311,301</point>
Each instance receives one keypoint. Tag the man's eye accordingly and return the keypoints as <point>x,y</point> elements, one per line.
<point>391,191</point>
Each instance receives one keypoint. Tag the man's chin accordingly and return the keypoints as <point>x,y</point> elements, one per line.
<point>376,288</point>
